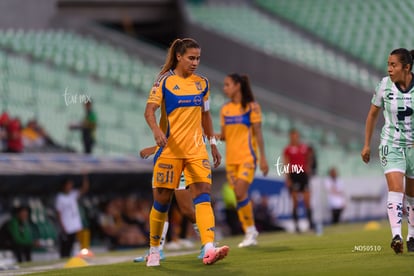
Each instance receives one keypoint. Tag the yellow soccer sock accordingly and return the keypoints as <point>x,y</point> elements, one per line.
<point>84,238</point>
<point>204,218</point>
<point>158,215</point>
<point>245,212</point>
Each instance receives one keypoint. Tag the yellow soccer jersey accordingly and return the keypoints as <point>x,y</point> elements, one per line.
<point>182,102</point>
<point>238,131</point>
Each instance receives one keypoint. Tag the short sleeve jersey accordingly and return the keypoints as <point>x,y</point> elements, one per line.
<point>297,155</point>
<point>238,132</point>
<point>398,108</point>
<point>182,103</point>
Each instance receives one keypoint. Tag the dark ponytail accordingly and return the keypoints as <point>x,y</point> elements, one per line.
<point>245,88</point>
<point>404,56</point>
<point>178,46</point>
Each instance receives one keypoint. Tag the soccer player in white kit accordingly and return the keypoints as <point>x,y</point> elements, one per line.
<point>395,95</point>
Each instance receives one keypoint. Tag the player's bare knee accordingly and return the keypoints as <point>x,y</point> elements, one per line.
<point>162,195</point>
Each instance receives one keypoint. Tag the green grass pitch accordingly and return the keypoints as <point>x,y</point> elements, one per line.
<point>345,249</point>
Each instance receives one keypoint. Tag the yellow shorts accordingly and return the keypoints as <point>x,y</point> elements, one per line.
<point>167,172</point>
<point>243,171</point>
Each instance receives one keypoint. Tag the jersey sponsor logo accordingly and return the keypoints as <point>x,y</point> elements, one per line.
<point>165,166</point>
<point>197,100</point>
<point>184,101</point>
<point>248,165</point>
<point>198,86</point>
<point>404,112</point>
<point>176,87</point>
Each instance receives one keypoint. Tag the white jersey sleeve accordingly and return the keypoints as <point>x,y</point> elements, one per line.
<point>378,98</point>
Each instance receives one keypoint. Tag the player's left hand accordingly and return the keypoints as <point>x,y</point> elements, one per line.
<point>216,156</point>
<point>264,167</point>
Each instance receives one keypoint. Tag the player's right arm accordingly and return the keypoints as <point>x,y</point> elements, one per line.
<point>159,136</point>
<point>370,123</point>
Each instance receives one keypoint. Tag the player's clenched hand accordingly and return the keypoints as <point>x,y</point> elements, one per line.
<point>365,154</point>
<point>159,137</point>
<point>216,156</point>
<point>264,167</point>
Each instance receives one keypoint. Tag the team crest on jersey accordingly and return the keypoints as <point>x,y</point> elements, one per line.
<point>384,161</point>
<point>198,85</point>
<point>160,177</point>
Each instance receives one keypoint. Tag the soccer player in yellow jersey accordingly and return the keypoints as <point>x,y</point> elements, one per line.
<point>183,98</point>
<point>241,129</point>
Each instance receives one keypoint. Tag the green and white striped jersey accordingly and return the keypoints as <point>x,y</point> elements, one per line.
<point>398,108</point>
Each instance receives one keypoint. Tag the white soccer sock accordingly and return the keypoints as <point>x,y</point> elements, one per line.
<point>410,216</point>
<point>164,235</point>
<point>394,209</point>
<point>251,229</point>
<point>154,249</point>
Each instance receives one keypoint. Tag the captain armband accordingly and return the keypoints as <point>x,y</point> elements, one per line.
<point>207,105</point>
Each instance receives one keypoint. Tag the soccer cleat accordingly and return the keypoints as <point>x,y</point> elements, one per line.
<point>397,244</point>
<point>153,259</point>
<point>215,254</point>
<point>249,239</point>
<point>141,259</point>
<point>410,244</point>
<point>201,256</point>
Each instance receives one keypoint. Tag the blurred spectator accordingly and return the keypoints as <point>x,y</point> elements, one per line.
<point>336,195</point>
<point>21,234</point>
<point>68,214</point>
<point>263,216</point>
<point>34,136</point>
<point>4,121</point>
<point>132,215</point>
<point>88,128</point>
<point>120,233</point>
<point>14,136</point>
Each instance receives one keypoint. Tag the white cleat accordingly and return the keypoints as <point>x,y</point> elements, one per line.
<point>250,239</point>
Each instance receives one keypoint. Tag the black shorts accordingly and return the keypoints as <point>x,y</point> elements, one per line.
<point>300,182</point>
